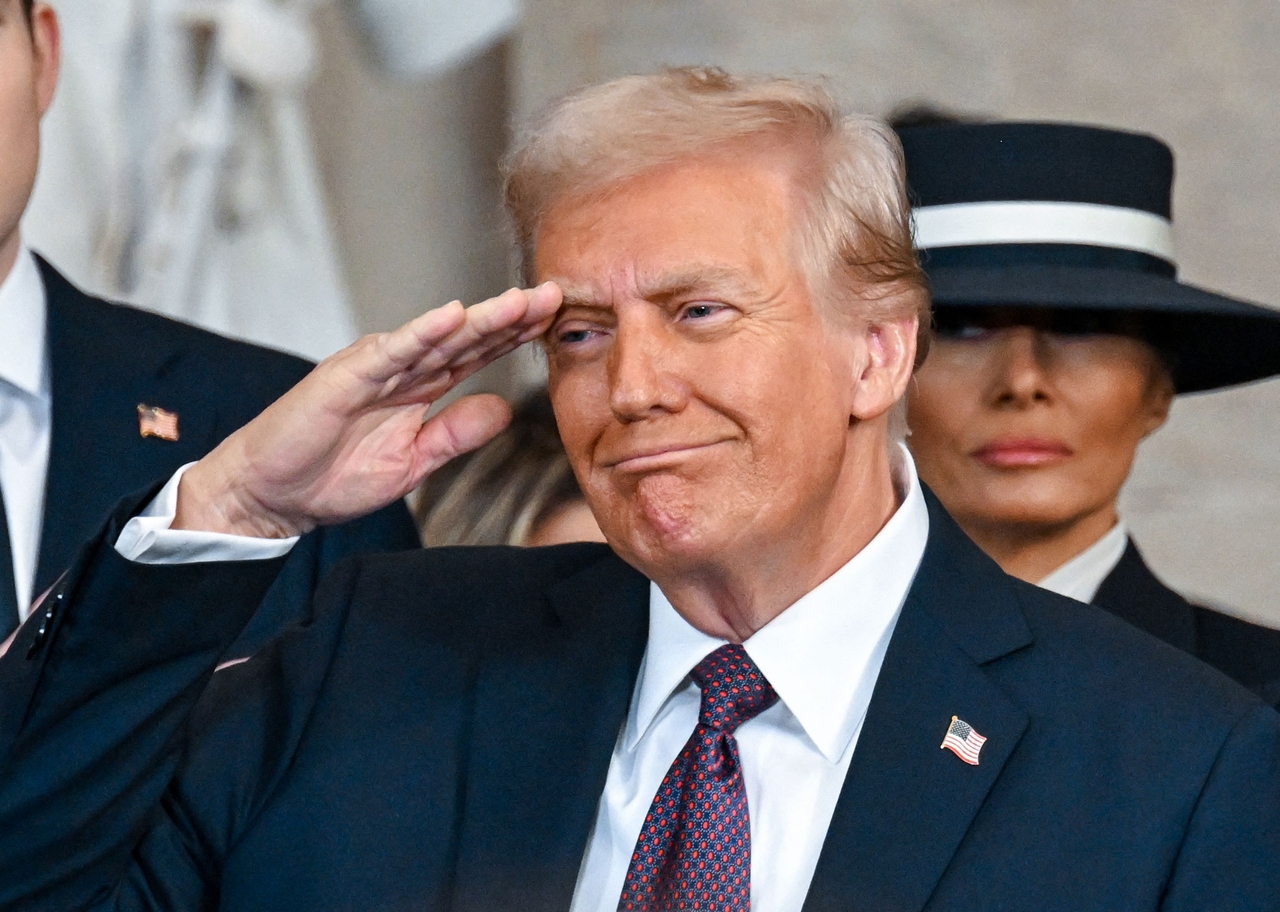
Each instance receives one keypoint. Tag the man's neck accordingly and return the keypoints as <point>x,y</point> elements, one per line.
<point>1031,552</point>
<point>732,599</point>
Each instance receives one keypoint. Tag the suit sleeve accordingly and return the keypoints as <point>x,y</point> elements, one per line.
<point>94,696</point>
<point>291,599</point>
<point>1228,859</point>
<point>240,743</point>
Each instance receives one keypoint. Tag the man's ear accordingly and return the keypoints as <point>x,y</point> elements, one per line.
<point>890,347</point>
<point>46,35</point>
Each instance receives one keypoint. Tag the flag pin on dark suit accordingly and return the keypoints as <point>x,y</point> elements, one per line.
<point>963,741</point>
<point>154,421</point>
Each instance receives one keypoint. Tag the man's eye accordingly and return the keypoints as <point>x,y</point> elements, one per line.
<point>573,336</point>
<point>701,311</point>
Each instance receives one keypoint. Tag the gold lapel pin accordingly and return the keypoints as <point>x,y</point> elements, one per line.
<point>154,421</point>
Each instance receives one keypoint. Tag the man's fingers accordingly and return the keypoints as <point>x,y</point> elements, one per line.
<point>509,315</point>
<point>487,334</point>
<point>495,337</point>
<point>427,387</point>
<point>537,330</point>
<point>544,301</point>
<point>437,349</point>
<point>402,347</point>
<point>460,427</point>
<point>430,339</point>
<point>533,305</point>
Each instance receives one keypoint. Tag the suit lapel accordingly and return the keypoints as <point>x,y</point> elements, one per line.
<point>906,803</point>
<point>100,373</point>
<point>546,720</point>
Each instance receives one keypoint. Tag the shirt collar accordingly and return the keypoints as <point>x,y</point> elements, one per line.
<point>823,654</point>
<point>1082,576</point>
<point>23,307</point>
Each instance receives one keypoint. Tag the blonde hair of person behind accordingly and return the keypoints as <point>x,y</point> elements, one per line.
<point>856,234</point>
<point>498,494</point>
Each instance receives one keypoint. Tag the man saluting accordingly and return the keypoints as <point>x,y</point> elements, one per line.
<point>790,681</point>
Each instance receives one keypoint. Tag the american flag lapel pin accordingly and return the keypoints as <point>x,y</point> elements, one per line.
<point>963,741</point>
<point>154,421</point>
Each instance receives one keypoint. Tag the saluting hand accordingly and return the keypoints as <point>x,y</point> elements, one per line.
<point>351,437</point>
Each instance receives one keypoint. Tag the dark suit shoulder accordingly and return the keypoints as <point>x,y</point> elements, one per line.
<point>488,565</point>
<point>494,590</point>
<point>379,610</point>
<point>239,363</point>
<point>1094,659</point>
<point>432,609</point>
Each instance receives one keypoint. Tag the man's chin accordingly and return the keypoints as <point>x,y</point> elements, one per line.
<point>669,547</point>
<point>665,521</point>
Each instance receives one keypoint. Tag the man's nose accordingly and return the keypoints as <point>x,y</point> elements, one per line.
<point>643,378</point>
<point>1022,367</point>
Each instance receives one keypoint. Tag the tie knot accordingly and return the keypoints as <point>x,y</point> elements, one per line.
<point>733,689</point>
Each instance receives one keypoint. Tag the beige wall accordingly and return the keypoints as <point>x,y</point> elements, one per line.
<point>412,175</point>
<point>410,172</point>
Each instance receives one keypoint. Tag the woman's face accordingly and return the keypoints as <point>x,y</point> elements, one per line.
<point>1026,419</point>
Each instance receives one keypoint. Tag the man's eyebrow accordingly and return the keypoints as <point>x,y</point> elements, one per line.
<point>577,298</point>
<point>664,286</point>
<point>695,280</point>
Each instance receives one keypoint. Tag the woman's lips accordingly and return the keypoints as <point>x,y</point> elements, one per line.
<point>1022,452</point>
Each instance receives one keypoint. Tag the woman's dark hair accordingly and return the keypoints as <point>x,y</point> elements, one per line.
<point>498,494</point>
<point>28,6</point>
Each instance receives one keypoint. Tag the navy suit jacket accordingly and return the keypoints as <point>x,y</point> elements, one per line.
<point>1247,652</point>
<point>105,360</point>
<point>438,738</point>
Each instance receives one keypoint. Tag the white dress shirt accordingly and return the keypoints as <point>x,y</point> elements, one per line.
<point>26,416</point>
<point>1082,576</point>
<point>147,538</point>
<point>822,655</point>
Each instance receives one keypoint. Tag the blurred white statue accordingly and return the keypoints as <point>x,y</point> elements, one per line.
<point>177,167</point>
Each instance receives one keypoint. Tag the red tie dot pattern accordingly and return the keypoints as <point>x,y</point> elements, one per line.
<point>694,850</point>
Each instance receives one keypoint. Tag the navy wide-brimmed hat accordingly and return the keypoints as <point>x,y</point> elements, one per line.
<point>1076,218</point>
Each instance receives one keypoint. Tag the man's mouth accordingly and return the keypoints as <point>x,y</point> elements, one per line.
<point>656,458</point>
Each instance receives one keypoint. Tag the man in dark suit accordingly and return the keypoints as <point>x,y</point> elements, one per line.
<point>790,682</point>
<point>88,387</point>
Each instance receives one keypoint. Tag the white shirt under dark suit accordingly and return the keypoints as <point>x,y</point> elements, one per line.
<point>25,421</point>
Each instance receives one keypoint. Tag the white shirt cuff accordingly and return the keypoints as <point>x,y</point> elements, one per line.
<point>147,538</point>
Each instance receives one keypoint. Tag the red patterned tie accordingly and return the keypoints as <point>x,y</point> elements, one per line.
<point>694,850</point>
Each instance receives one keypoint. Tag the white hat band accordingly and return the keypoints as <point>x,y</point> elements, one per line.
<point>974,224</point>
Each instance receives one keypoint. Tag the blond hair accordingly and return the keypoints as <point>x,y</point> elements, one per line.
<point>855,235</point>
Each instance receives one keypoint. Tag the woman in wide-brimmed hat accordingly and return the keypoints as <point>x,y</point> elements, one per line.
<point>1063,335</point>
